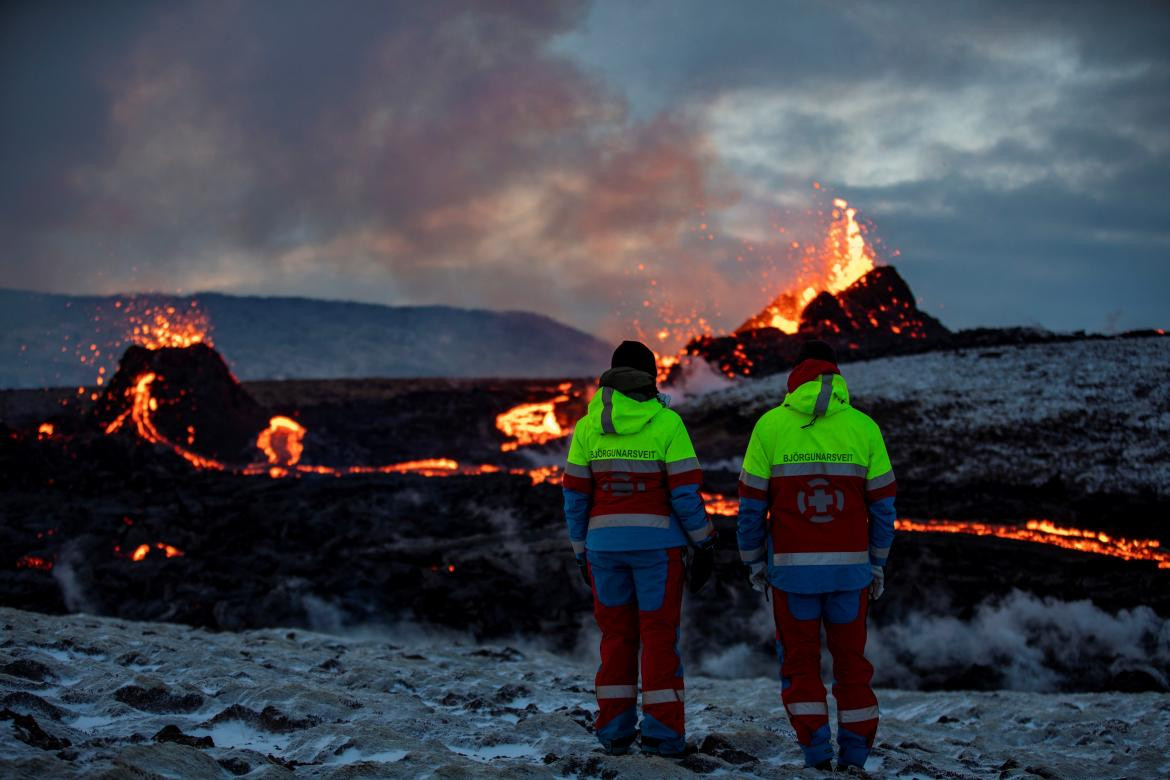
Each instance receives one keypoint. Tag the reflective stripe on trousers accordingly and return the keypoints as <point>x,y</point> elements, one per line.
<point>629,521</point>
<point>662,697</point>
<point>617,691</point>
<point>858,715</point>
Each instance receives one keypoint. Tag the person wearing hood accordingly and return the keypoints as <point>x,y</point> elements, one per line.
<point>815,525</point>
<point>632,505</point>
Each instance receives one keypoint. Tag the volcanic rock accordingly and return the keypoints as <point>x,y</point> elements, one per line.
<point>878,308</point>
<point>158,699</point>
<point>873,317</point>
<point>200,402</point>
<point>172,733</point>
<point>269,719</point>
<point>28,731</point>
<point>28,669</point>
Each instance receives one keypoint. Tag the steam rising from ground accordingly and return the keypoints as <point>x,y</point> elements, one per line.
<point>1022,643</point>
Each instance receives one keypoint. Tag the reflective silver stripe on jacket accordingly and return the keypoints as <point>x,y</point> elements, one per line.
<point>880,481</point>
<point>629,521</point>
<point>813,468</point>
<point>679,466</point>
<point>607,410</point>
<point>702,533</point>
<point>661,697</point>
<point>621,464</point>
<point>879,552</point>
<point>752,481</point>
<point>578,547</point>
<point>808,708</point>
<point>751,556</point>
<point>820,558</point>
<point>617,691</point>
<point>575,470</point>
<point>825,395</point>
<point>856,716</point>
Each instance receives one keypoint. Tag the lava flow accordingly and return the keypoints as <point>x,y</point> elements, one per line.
<point>282,443</point>
<point>1046,532</point>
<point>142,550</point>
<point>1040,531</point>
<point>532,423</point>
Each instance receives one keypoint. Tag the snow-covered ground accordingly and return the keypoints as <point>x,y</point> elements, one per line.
<point>268,703</point>
<point>1094,414</point>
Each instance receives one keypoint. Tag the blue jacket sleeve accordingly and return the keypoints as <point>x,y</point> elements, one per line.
<point>754,492</point>
<point>577,486</point>
<point>687,505</point>
<point>881,530</point>
<point>577,518</point>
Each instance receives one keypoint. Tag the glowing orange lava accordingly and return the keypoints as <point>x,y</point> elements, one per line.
<point>282,442</point>
<point>45,430</point>
<point>1039,531</point>
<point>531,423</point>
<point>34,562</point>
<point>1047,532</point>
<point>726,506</point>
<point>842,259</point>
<point>143,405</point>
<point>142,550</point>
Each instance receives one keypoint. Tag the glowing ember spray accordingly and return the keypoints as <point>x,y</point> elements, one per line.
<point>842,259</point>
<point>157,326</point>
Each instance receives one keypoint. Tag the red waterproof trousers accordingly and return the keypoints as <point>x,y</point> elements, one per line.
<point>799,617</point>
<point>638,603</point>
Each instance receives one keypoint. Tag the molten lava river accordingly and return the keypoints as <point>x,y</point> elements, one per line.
<point>843,258</point>
<point>535,423</point>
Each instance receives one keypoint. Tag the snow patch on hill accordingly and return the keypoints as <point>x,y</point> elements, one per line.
<point>1094,413</point>
<point>84,695</point>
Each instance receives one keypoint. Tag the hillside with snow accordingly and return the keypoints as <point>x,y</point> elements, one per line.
<point>83,696</point>
<point>1028,428</point>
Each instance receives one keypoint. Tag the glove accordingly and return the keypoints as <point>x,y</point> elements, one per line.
<point>583,566</point>
<point>701,566</point>
<point>878,586</point>
<point>758,576</point>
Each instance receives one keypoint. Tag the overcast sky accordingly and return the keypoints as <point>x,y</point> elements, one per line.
<point>1012,158</point>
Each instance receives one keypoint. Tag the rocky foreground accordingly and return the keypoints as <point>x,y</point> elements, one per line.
<point>85,696</point>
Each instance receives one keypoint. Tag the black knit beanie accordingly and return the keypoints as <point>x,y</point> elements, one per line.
<point>816,350</point>
<point>634,354</point>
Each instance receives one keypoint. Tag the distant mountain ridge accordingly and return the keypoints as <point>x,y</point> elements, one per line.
<point>43,337</point>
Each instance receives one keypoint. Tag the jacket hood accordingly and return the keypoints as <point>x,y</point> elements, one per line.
<point>615,412</point>
<point>635,383</point>
<point>823,396</point>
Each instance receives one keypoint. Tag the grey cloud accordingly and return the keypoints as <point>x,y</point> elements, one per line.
<point>1018,154</point>
<point>438,151</point>
<point>533,155</point>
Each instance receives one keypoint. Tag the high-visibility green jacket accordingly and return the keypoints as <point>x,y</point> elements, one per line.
<point>817,490</point>
<point>632,478</point>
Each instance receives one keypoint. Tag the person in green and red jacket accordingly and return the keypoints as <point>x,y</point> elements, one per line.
<point>816,521</point>
<point>632,506</point>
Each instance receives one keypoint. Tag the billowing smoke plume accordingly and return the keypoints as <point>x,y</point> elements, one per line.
<point>401,152</point>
